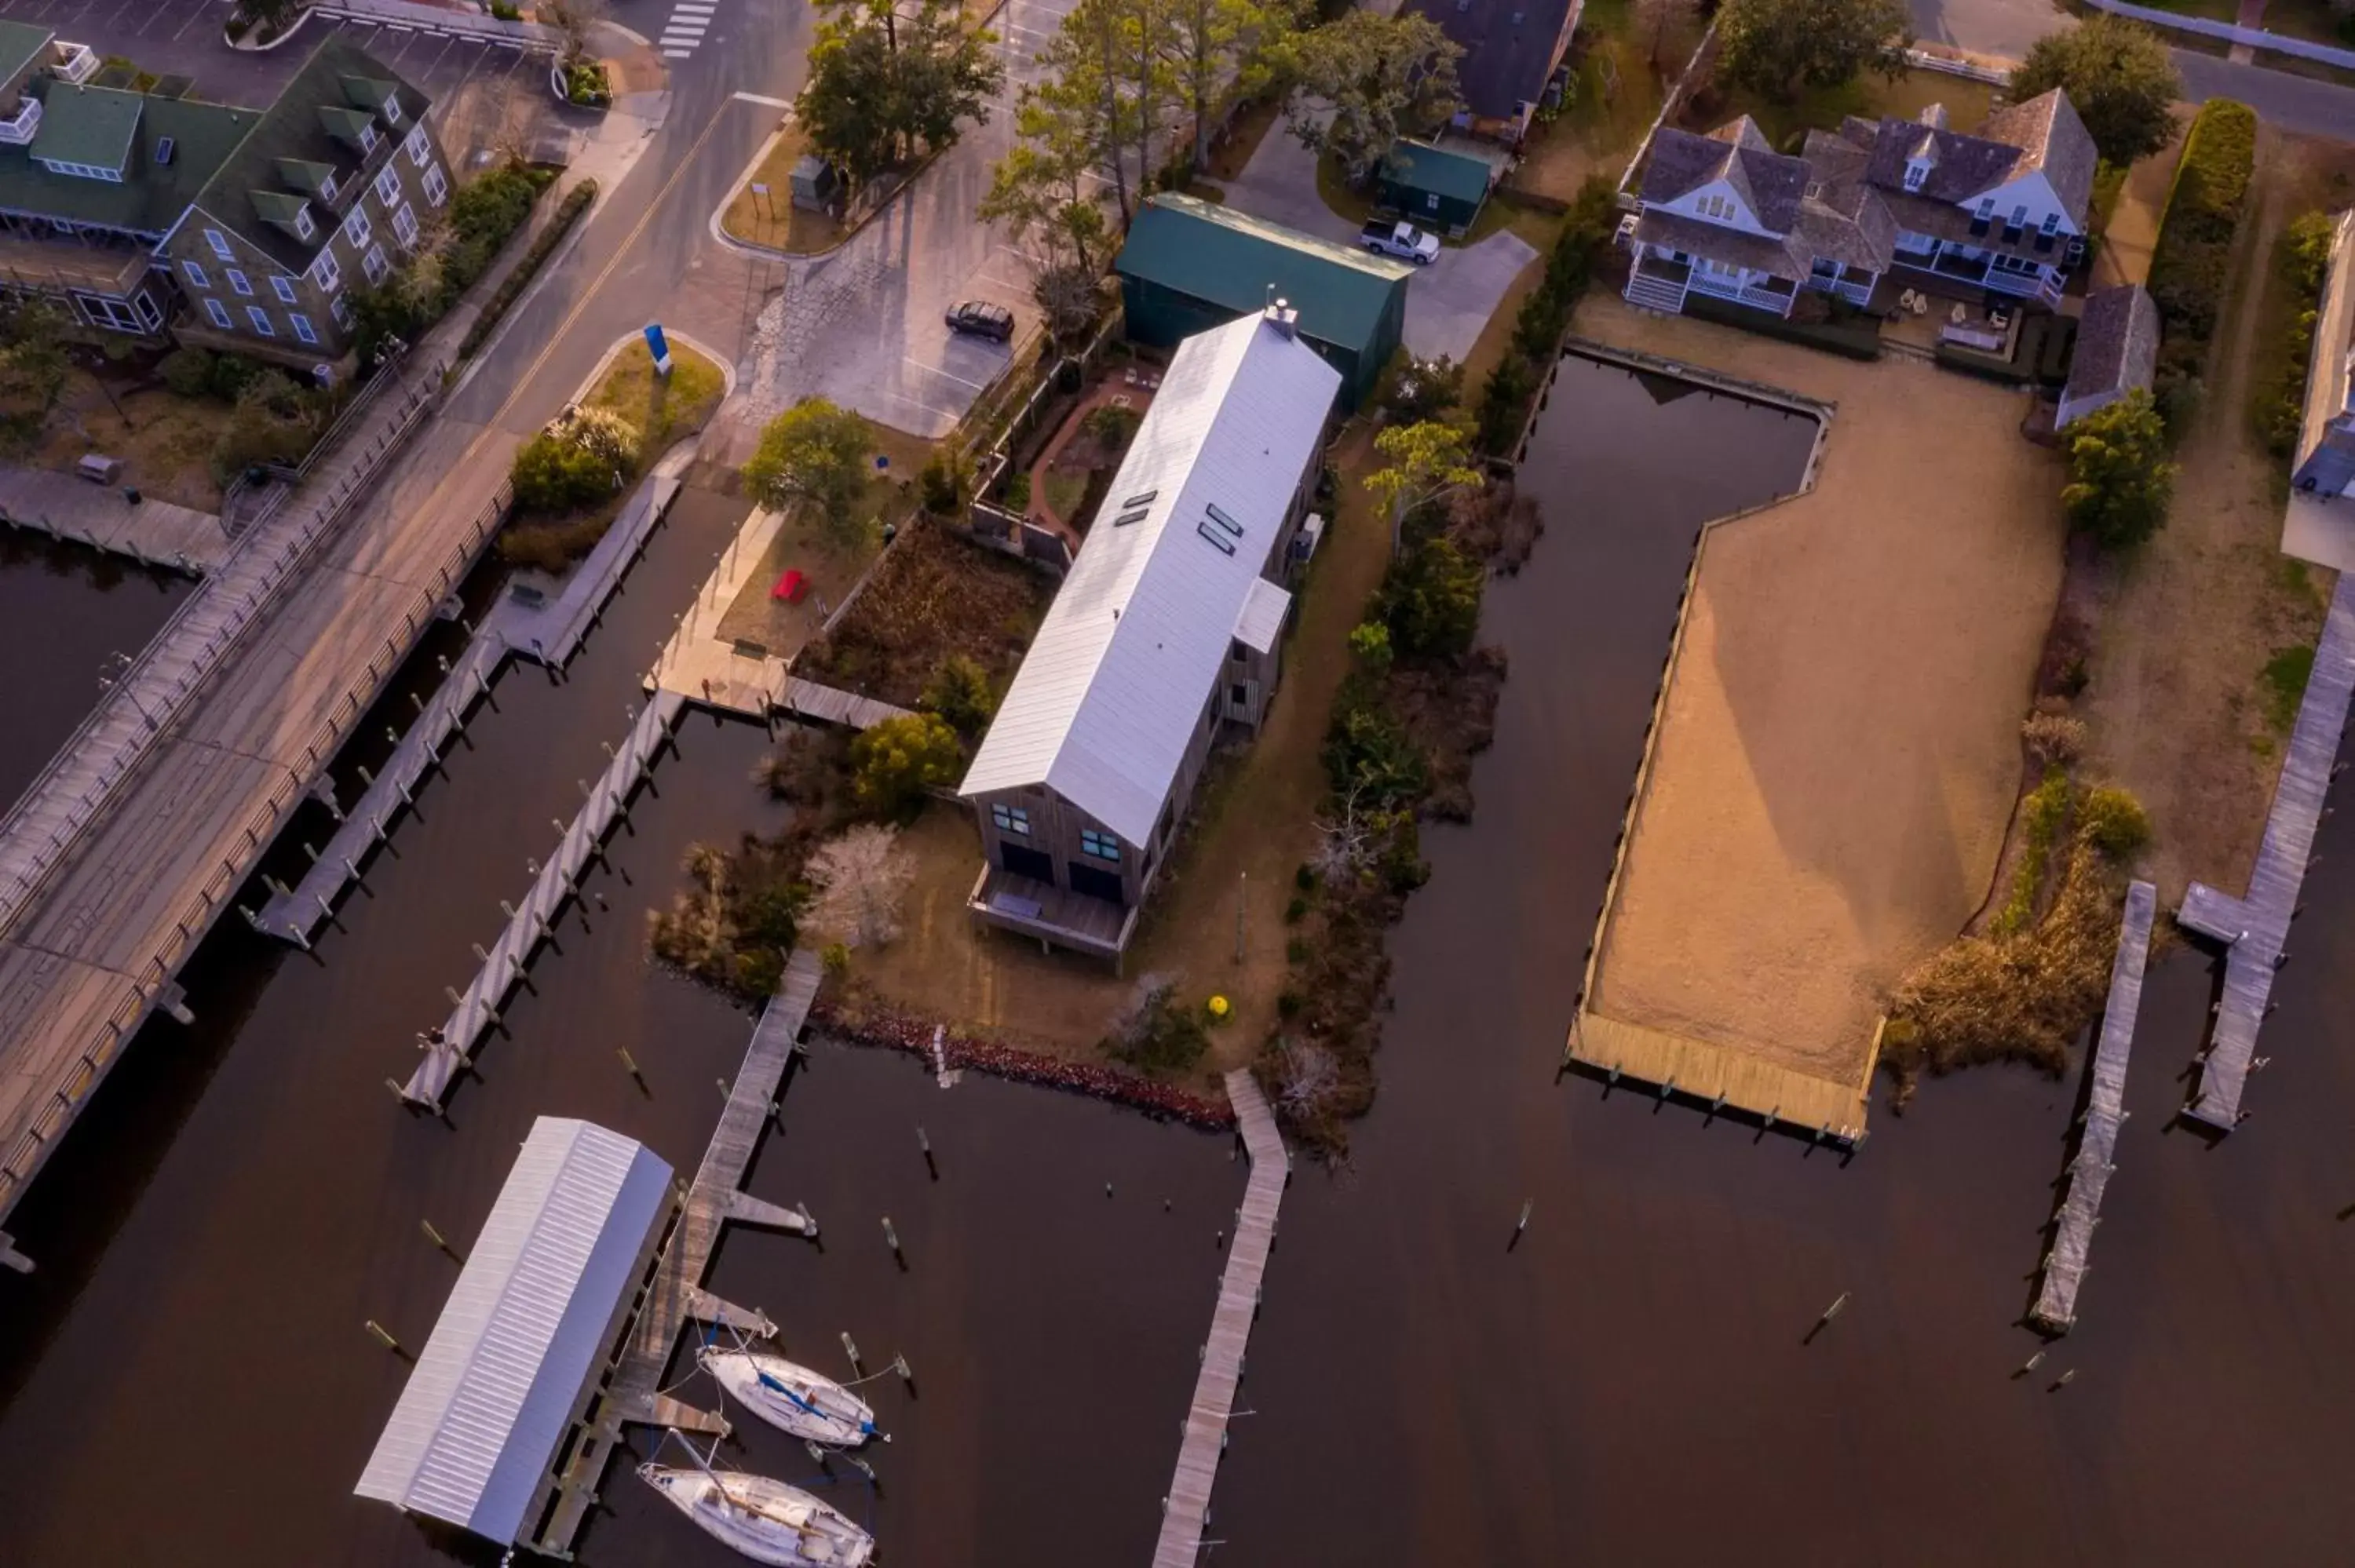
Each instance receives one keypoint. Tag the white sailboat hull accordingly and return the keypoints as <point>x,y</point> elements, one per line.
<point>766,1520</point>
<point>793,1398</point>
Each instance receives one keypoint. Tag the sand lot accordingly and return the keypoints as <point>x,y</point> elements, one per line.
<point>1837,754</point>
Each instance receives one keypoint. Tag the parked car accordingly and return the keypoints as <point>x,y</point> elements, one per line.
<point>1403,241</point>
<point>982,319</point>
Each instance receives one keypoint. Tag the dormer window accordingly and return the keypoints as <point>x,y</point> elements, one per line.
<point>328,188</point>
<point>368,138</point>
<point>1718,207</point>
<point>303,227</point>
<point>1916,171</point>
<point>391,110</point>
<point>1987,208</point>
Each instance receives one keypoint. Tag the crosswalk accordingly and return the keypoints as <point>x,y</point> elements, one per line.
<point>684,29</point>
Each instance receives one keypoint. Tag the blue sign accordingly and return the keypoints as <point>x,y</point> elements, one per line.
<point>656,346</point>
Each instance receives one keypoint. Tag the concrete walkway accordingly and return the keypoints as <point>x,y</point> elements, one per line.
<point>154,533</point>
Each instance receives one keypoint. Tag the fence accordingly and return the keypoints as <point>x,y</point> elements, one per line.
<point>530,37</point>
<point>2256,37</point>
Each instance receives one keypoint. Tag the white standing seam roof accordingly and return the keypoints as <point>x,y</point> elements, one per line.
<point>1261,619</point>
<point>476,1429</point>
<point>1122,667</point>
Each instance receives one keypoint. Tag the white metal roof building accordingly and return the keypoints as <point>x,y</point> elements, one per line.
<point>476,1429</point>
<point>1113,688</point>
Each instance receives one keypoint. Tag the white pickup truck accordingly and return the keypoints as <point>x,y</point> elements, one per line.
<point>1403,241</point>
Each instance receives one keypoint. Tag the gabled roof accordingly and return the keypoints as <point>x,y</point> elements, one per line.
<point>1508,48</point>
<point>1421,166</point>
<point>1117,681</point>
<point>476,1428</point>
<point>1770,183</point>
<point>2118,343</point>
<point>2043,133</point>
<point>1230,259</point>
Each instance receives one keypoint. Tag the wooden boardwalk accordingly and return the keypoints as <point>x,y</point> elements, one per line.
<point>154,533</point>
<point>2256,929</point>
<point>1186,1512</point>
<point>549,633</point>
<point>805,699</point>
<point>676,1298</point>
<point>1669,1064</point>
<point>2089,1174</point>
<point>447,1055</point>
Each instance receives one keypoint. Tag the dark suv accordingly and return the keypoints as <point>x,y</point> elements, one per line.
<point>982,319</point>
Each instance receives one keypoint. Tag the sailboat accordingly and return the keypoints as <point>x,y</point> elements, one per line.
<point>766,1521</point>
<point>809,1405</point>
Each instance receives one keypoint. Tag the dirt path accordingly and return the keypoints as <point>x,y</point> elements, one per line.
<point>2132,228</point>
<point>2184,629</point>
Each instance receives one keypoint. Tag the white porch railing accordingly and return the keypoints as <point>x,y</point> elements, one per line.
<point>1741,294</point>
<point>76,62</point>
<point>18,130</point>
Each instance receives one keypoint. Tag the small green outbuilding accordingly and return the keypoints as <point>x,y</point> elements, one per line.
<point>1191,265</point>
<point>1432,187</point>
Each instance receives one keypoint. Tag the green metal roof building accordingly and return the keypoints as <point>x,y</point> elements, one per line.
<point>1190,265</point>
<point>1432,187</point>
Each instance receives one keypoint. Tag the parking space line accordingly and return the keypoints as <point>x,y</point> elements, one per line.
<point>944,374</point>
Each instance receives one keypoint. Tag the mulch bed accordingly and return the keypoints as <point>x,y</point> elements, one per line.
<point>935,595</point>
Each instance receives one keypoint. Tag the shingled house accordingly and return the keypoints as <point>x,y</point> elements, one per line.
<point>1511,50</point>
<point>1727,215</point>
<point>2118,352</point>
<point>232,228</point>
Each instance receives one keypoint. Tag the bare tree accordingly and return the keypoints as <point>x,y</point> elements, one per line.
<point>1307,1078</point>
<point>861,878</point>
<point>1346,844</point>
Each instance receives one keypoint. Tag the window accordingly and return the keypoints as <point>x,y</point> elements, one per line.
<point>1717,206</point>
<point>195,274</point>
<point>415,146</point>
<point>284,287</point>
<point>260,320</point>
<point>98,310</point>
<point>356,229</point>
<point>368,138</point>
<point>393,112</point>
<point>1103,846</point>
<point>1239,695</point>
<point>325,273</point>
<point>404,224</point>
<point>219,312</point>
<point>1826,269</point>
<point>151,315</point>
<point>375,265</point>
<point>327,187</point>
<point>237,282</point>
<point>341,308</point>
<point>1987,207</point>
<point>219,242</point>
<point>436,188</point>
<point>1011,820</point>
<point>1224,521</point>
<point>1237,651</point>
<point>303,227</point>
<point>1915,173</point>
<point>387,186</point>
<point>2052,221</point>
<point>301,325</point>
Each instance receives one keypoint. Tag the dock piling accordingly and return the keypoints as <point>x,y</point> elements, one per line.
<point>851,1350</point>
<point>384,1338</point>
<point>440,1242</point>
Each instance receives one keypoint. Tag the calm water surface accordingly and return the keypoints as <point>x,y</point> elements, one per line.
<point>186,1382</point>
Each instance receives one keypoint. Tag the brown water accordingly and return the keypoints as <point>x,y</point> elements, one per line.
<point>64,612</point>
<point>187,1380</point>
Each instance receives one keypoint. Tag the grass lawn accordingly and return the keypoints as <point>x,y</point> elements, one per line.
<point>773,220</point>
<point>1066,489</point>
<point>665,408</point>
<point>166,443</point>
<point>1231,155</point>
<point>1873,97</point>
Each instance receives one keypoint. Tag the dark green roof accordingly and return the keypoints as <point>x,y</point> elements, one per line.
<point>21,43</point>
<point>86,125</point>
<point>152,196</point>
<point>1233,260</point>
<point>294,129</point>
<point>1455,176</point>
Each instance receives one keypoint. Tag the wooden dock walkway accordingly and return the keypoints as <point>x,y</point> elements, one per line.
<point>476,1010</point>
<point>1186,1512</point>
<point>548,632</point>
<point>676,1298</point>
<point>1723,1079</point>
<point>154,533</point>
<point>806,699</point>
<point>2089,1174</point>
<point>2256,929</point>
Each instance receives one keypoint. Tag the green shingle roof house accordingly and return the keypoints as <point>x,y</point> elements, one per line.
<point>1191,265</point>
<point>1432,187</point>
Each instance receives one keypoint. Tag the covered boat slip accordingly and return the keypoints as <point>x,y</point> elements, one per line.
<point>517,1354</point>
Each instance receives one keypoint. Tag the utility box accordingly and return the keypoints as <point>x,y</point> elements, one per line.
<point>816,186</point>
<point>98,469</point>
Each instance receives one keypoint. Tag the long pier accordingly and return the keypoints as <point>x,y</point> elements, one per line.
<point>548,632</point>
<point>676,1297</point>
<point>2065,1266</point>
<point>449,1050</point>
<point>2256,929</point>
<point>1186,1512</point>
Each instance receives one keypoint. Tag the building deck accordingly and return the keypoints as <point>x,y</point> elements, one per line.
<point>2065,1266</point>
<point>447,1054</point>
<point>154,533</point>
<point>1186,1512</point>
<point>1049,913</point>
<point>2256,929</point>
<point>676,1298</point>
<point>1723,1079</point>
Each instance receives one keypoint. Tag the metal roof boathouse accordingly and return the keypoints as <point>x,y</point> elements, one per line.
<point>476,1438</point>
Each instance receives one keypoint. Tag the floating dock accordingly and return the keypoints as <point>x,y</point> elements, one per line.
<point>1186,1512</point>
<point>676,1297</point>
<point>2256,929</point>
<point>2089,1174</point>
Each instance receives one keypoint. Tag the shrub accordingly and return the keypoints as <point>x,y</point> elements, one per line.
<point>959,692</point>
<point>1423,389</point>
<point>2304,258</point>
<point>2040,816</point>
<point>2053,739</point>
<point>1296,911</point>
<point>188,372</point>
<point>1304,877</point>
<point>895,762</point>
<point>2193,254</point>
<point>553,476</point>
<point>815,452</point>
<point>1430,600</point>
<point>511,287</point>
<point>1369,646</point>
<point>941,484</point>
<point>1545,315</point>
<point>1015,493</point>
<point>836,957</point>
<point>2112,821</point>
<point>1108,427</point>
<point>2120,482</point>
<point>1155,1031</point>
<point>1368,754</point>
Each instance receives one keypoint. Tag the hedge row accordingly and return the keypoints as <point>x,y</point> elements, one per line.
<point>1545,315</point>
<point>576,202</point>
<point>2193,256</point>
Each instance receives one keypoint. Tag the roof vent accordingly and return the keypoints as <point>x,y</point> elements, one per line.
<point>1283,317</point>
<point>164,147</point>
<point>1934,116</point>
